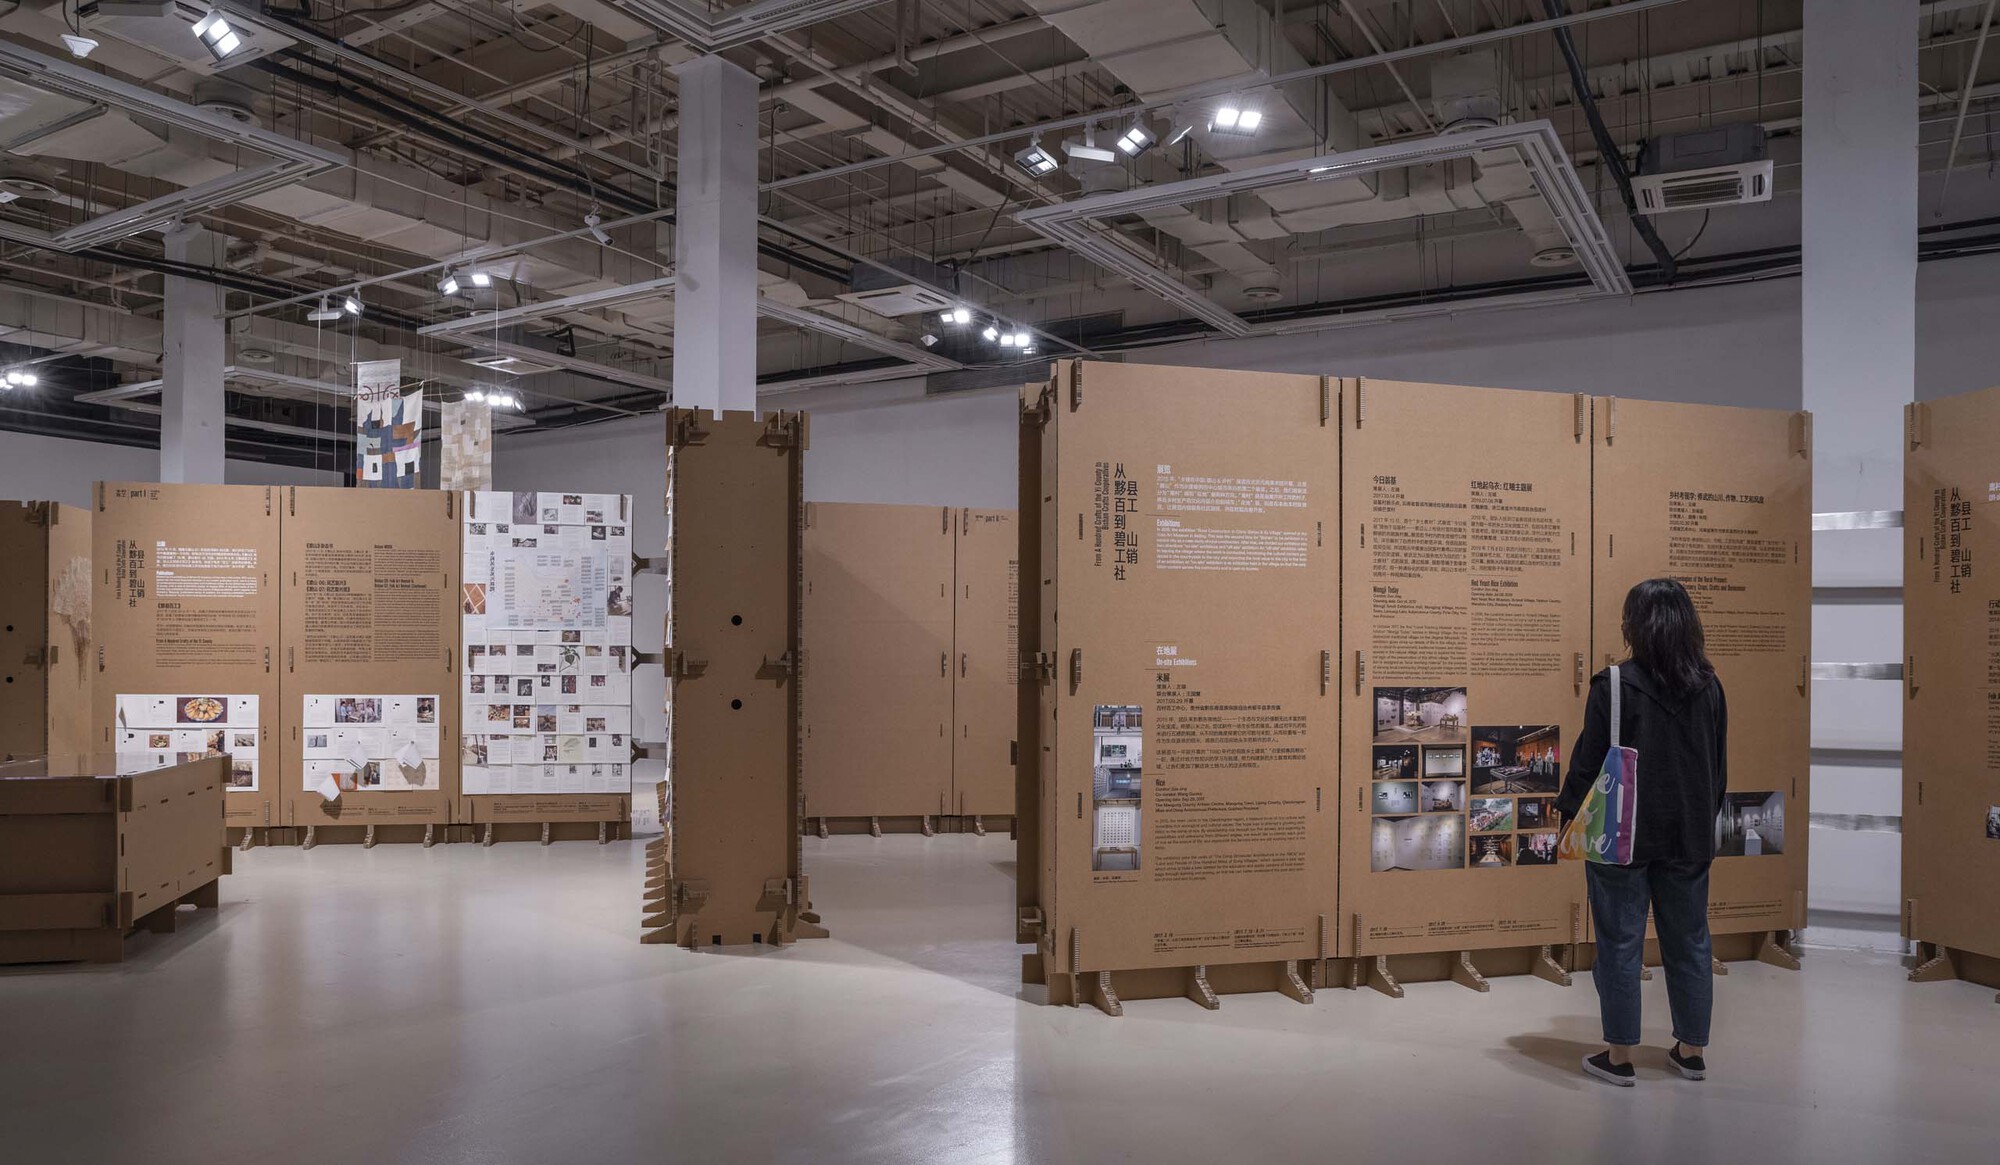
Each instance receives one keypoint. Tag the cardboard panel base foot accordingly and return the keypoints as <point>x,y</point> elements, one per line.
<point>1939,964</point>
<point>101,944</point>
<point>1174,982</point>
<point>1768,946</point>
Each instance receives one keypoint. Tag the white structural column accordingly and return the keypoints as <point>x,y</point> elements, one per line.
<point>192,350</point>
<point>1858,344</point>
<point>715,238</point>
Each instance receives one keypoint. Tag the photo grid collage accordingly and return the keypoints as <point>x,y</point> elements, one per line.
<point>157,730</point>
<point>1448,794</point>
<point>546,606</point>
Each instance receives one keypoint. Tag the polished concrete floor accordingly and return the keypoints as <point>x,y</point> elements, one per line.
<point>465,1004</point>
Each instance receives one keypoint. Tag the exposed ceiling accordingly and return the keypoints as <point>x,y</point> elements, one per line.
<point>441,137</point>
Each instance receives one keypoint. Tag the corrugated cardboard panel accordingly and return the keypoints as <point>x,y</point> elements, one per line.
<point>986,672</point>
<point>733,633</point>
<point>1951,620</point>
<point>68,668</point>
<point>24,606</point>
<point>1188,597</point>
<point>1466,542</point>
<point>876,699</point>
<point>186,609</point>
<point>370,617</point>
<point>1033,803</point>
<point>1721,498</point>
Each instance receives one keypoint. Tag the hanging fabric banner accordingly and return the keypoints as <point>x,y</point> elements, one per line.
<point>466,450</point>
<point>388,427</point>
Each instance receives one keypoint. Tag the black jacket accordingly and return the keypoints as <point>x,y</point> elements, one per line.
<point>1683,765</point>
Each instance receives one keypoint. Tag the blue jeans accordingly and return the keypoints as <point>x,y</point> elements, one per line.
<point>1678,893</point>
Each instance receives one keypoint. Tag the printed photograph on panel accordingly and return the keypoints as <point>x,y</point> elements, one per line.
<point>1493,853</point>
<point>1117,768</point>
<point>1444,797</point>
<point>1445,762</point>
<point>1420,715</point>
<point>1395,797</point>
<point>1536,813</point>
<point>1396,763</point>
<point>1750,825</point>
<point>1536,849</point>
<point>1434,842</point>
<point>1993,823</point>
<point>1492,815</point>
<point>1517,758</point>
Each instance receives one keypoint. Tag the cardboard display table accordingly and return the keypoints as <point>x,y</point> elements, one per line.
<point>92,849</point>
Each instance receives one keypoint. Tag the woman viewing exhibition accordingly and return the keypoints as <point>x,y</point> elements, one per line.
<point>1672,713</point>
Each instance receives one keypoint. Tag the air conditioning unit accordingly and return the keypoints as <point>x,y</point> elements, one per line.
<point>1723,166</point>
<point>166,28</point>
<point>898,291</point>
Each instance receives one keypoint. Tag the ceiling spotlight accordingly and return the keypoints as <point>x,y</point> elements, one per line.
<point>215,33</point>
<point>448,286</point>
<point>351,306</point>
<point>1037,161</point>
<point>597,232</point>
<point>323,314</point>
<point>7,196</point>
<point>481,279</point>
<point>1021,339</point>
<point>1180,132</point>
<point>475,395</point>
<point>1088,150</point>
<point>991,333</point>
<point>16,378</point>
<point>79,46</point>
<point>1235,121</point>
<point>1009,339</point>
<point>1137,140</point>
<point>929,340</point>
<point>959,315</point>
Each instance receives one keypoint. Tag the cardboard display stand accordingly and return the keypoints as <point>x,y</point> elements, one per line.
<point>733,496</point>
<point>1951,711</point>
<point>86,855</point>
<point>45,592</point>
<point>876,699</point>
<point>184,615</point>
<point>1720,498</point>
<point>1187,729</point>
<point>1465,539</point>
<point>370,635</point>
<point>986,672</point>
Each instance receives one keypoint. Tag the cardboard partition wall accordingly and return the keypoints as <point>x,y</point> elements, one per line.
<point>1721,499</point>
<point>1951,711</point>
<point>1466,564</point>
<point>734,504</point>
<point>45,592</point>
<point>90,849</point>
<point>370,635</point>
<point>876,697</point>
<point>1186,737</point>
<point>545,608</point>
<point>987,670</point>
<point>184,615</point>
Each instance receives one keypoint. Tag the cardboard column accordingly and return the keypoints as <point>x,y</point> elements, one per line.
<point>185,617</point>
<point>1187,729</point>
<point>986,671</point>
<point>1720,498</point>
<point>45,591</point>
<point>1951,685</point>
<point>733,496</point>
<point>876,699</point>
<point>370,633</point>
<point>1466,542</point>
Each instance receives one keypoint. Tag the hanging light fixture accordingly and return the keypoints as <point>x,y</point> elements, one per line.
<point>1137,140</point>
<point>21,378</point>
<point>1036,161</point>
<point>1234,120</point>
<point>323,314</point>
<point>352,306</point>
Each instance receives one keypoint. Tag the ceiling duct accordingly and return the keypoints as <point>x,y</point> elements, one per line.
<point>712,29</point>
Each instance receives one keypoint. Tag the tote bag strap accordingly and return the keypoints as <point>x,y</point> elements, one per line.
<point>1617,698</point>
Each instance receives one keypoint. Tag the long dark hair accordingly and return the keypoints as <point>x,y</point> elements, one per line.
<point>1664,632</point>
